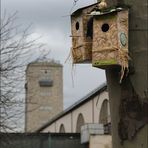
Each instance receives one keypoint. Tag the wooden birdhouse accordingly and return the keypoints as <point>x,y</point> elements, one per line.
<point>82,34</point>
<point>110,38</point>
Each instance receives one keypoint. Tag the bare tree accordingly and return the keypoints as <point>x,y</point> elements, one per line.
<point>17,49</point>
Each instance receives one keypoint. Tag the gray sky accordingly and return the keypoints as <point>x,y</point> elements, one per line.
<point>51,20</point>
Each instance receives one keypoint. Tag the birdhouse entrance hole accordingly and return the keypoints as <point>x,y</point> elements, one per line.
<point>105,27</point>
<point>90,28</point>
<point>77,25</point>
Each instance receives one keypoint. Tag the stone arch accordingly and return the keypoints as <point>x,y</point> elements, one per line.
<point>62,128</point>
<point>80,122</point>
<point>104,112</point>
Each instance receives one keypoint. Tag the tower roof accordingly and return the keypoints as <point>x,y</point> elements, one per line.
<point>51,63</point>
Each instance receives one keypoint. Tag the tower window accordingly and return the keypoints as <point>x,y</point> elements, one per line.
<point>46,83</point>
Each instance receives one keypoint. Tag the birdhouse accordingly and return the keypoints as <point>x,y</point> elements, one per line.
<point>82,34</point>
<point>110,38</point>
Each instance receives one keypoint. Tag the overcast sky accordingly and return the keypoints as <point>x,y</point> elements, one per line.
<point>51,20</point>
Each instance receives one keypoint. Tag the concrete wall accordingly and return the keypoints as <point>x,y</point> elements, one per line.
<point>100,141</point>
<point>40,140</point>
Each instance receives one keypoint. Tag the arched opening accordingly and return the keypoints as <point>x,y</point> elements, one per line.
<point>62,129</point>
<point>80,122</point>
<point>103,118</point>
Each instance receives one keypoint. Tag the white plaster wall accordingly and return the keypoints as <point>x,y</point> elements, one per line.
<point>96,110</point>
<point>97,105</point>
<point>50,128</point>
<point>86,111</point>
<point>66,121</point>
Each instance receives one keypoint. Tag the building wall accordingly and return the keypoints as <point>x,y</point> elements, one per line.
<point>86,111</point>
<point>90,111</point>
<point>43,102</point>
<point>50,129</point>
<point>66,121</point>
<point>103,97</point>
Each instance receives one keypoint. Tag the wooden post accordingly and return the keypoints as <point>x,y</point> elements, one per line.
<point>133,91</point>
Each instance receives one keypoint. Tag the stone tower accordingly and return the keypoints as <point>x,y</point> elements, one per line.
<point>44,93</point>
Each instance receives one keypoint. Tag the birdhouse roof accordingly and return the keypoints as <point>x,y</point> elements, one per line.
<point>81,9</point>
<point>107,11</point>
